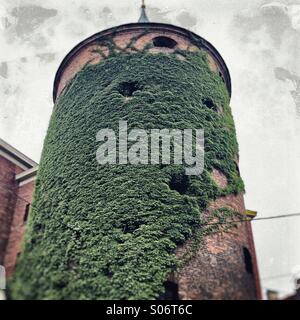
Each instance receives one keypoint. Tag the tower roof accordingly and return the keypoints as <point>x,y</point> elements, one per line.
<point>143,18</point>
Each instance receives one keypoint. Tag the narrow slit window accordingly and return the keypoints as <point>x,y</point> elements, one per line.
<point>220,74</point>
<point>26,213</point>
<point>248,260</point>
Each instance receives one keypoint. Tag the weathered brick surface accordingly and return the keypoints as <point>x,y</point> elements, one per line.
<point>13,200</point>
<point>8,188</point>
<point>88,54</point>
<point>218,269</point>
<point>18,225</point>
<point>219,178</point>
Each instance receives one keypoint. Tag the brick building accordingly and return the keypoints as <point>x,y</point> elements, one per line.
<point>17,175</point>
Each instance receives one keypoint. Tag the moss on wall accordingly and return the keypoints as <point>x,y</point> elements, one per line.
<point>110,232</point>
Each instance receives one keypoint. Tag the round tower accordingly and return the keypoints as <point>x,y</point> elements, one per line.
<point>138,231</point>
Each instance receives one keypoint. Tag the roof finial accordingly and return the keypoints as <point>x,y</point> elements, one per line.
<point>143,18</point>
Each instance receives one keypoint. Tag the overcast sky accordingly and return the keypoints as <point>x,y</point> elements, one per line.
<point>260,42</point>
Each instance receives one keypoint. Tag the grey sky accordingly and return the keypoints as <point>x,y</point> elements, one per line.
<point>260,42</point>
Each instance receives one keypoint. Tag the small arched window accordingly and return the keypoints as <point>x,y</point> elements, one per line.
<point>164,42</point>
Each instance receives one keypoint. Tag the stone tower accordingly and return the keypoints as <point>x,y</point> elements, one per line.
<point>138,231</point>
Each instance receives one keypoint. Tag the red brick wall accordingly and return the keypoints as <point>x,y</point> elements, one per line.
<point>8,189</point>
<point>18,225</point>
<point>13,201</point>
<point>88,54</point>
<point>218,268</point>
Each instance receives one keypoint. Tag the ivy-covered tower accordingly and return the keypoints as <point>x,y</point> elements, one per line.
<point>138,231</point>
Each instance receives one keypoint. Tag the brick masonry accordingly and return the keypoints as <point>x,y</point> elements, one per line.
<point>18,225</point>
<point>224,266</point>
<point>8,189</point>
<point>13,201</point>
<point>88,53</point>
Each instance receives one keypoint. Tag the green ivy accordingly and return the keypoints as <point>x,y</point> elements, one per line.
<point>110,232</point>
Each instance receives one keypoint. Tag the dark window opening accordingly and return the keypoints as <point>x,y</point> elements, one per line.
<point>180,183</point>
<point>248,260</point>
<point>171,291</point>
<point>25,218</point>
<point>209,104</point>
<point>164,42</point>
<point>128,88</point>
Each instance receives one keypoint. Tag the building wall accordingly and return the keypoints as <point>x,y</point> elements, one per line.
<point>18,225</point>
<point>8,190</point>
<point>15,198</point>
<point>224,265</point>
